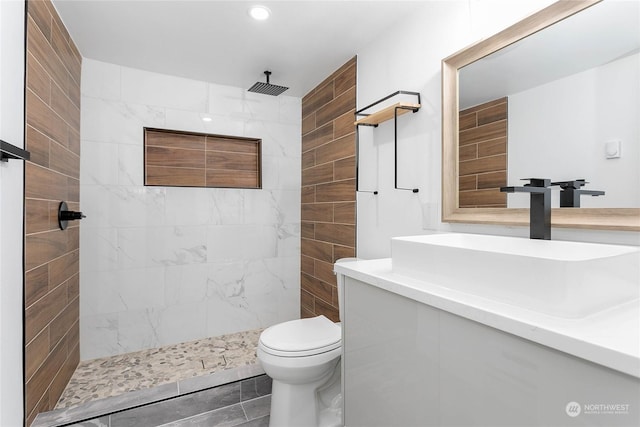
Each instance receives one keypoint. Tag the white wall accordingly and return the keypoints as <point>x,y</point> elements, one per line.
<point>162,265</point>
<point>579,114</point>
<point>11,212</point>
<point>408,57</point>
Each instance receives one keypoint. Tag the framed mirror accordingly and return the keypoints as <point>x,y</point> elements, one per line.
<point>480,77</point>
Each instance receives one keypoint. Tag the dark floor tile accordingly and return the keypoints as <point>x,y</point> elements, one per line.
<point>257,408</point>
<point>228,416</point>
<point>258,422</point>
<point>255,387</point>
<point>96,422</point>
<point>216,379</point>
<point>99,407</point>
<point>178,408</point>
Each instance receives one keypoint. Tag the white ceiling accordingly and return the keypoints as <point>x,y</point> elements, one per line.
<point>216,41</point>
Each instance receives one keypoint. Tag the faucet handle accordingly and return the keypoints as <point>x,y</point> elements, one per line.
<point>575,184</point>
<point>537,182</point>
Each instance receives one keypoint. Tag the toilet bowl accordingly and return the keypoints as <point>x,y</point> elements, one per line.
<point>302,357</point>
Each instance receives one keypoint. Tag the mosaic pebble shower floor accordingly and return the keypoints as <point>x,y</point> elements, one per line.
<point>111,376</point>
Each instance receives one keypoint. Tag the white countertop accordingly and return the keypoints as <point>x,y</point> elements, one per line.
<point>610,338</point>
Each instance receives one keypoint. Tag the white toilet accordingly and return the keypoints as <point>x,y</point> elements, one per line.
<point>302,357</point>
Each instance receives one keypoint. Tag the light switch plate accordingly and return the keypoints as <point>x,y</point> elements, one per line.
<point>613,149</point>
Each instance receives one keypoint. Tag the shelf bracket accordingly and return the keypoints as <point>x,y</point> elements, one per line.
<point>10,151</point>
<point>358,190</point>
<point>374,119</point>
<point>395,149</point>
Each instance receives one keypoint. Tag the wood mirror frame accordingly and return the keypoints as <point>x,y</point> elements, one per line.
<point>596,218</point>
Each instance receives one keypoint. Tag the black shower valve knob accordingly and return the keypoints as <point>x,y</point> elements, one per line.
<point>65,215</point>
<point>71,215</point>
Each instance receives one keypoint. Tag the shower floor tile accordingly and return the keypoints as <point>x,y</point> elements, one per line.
<point>111,376</point>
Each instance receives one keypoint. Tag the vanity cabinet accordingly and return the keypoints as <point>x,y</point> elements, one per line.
<point>406,363</point>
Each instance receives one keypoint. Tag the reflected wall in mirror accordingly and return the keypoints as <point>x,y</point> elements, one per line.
<point>542,99</point>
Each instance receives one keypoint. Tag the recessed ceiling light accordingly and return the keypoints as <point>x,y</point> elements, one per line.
<point>259,13</point>
<point>206,119</point>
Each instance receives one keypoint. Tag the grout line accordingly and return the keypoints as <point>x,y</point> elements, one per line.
<point>50,44</point>
<point>244,412</point>
<point>47,294</point>
<point>50,106</point>
<point>182,420</point>
<point>66,334</point>
<point>254,399</point>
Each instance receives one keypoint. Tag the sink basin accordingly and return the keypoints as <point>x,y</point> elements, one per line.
<point>557,278</point>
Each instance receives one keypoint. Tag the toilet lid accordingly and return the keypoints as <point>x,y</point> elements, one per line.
<point>316,335</point>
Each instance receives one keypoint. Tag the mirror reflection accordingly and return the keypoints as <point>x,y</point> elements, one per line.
<point>561,104</point>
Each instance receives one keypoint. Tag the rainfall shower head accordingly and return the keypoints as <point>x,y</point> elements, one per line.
<point>267,88</point>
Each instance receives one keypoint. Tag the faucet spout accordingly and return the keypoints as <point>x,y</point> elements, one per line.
<point>540,206</point>
<point>523,189</point>
<point>571,192</point>
<point>591,192</point>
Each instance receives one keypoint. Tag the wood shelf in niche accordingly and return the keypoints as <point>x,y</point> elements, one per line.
<point>190,159</point>
<point>387,113</point>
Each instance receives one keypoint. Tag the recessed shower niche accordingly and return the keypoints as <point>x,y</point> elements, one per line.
<point>189,159</point>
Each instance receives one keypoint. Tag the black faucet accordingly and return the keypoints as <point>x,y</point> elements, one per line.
<point>540,210</point>
<point>571,192</point>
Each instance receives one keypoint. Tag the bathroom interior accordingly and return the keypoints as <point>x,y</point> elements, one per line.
<point>430,207</point>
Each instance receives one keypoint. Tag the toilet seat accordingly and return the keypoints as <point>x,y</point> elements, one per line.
<point>301,337</point>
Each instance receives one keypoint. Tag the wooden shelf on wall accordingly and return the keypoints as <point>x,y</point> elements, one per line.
<point>387,113</point>
<point>382,115</point>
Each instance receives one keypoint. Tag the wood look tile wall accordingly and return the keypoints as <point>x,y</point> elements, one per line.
<point>483,155</point>
<point>53,175</point>
<point>188,159</point>
<point>328,188</point>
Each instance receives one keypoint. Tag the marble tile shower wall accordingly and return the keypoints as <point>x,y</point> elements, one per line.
<point>162,265</point>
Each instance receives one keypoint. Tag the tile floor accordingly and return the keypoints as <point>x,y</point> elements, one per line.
<point>242,403</point>
<point>213,381</point>
<point>115,375</point>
